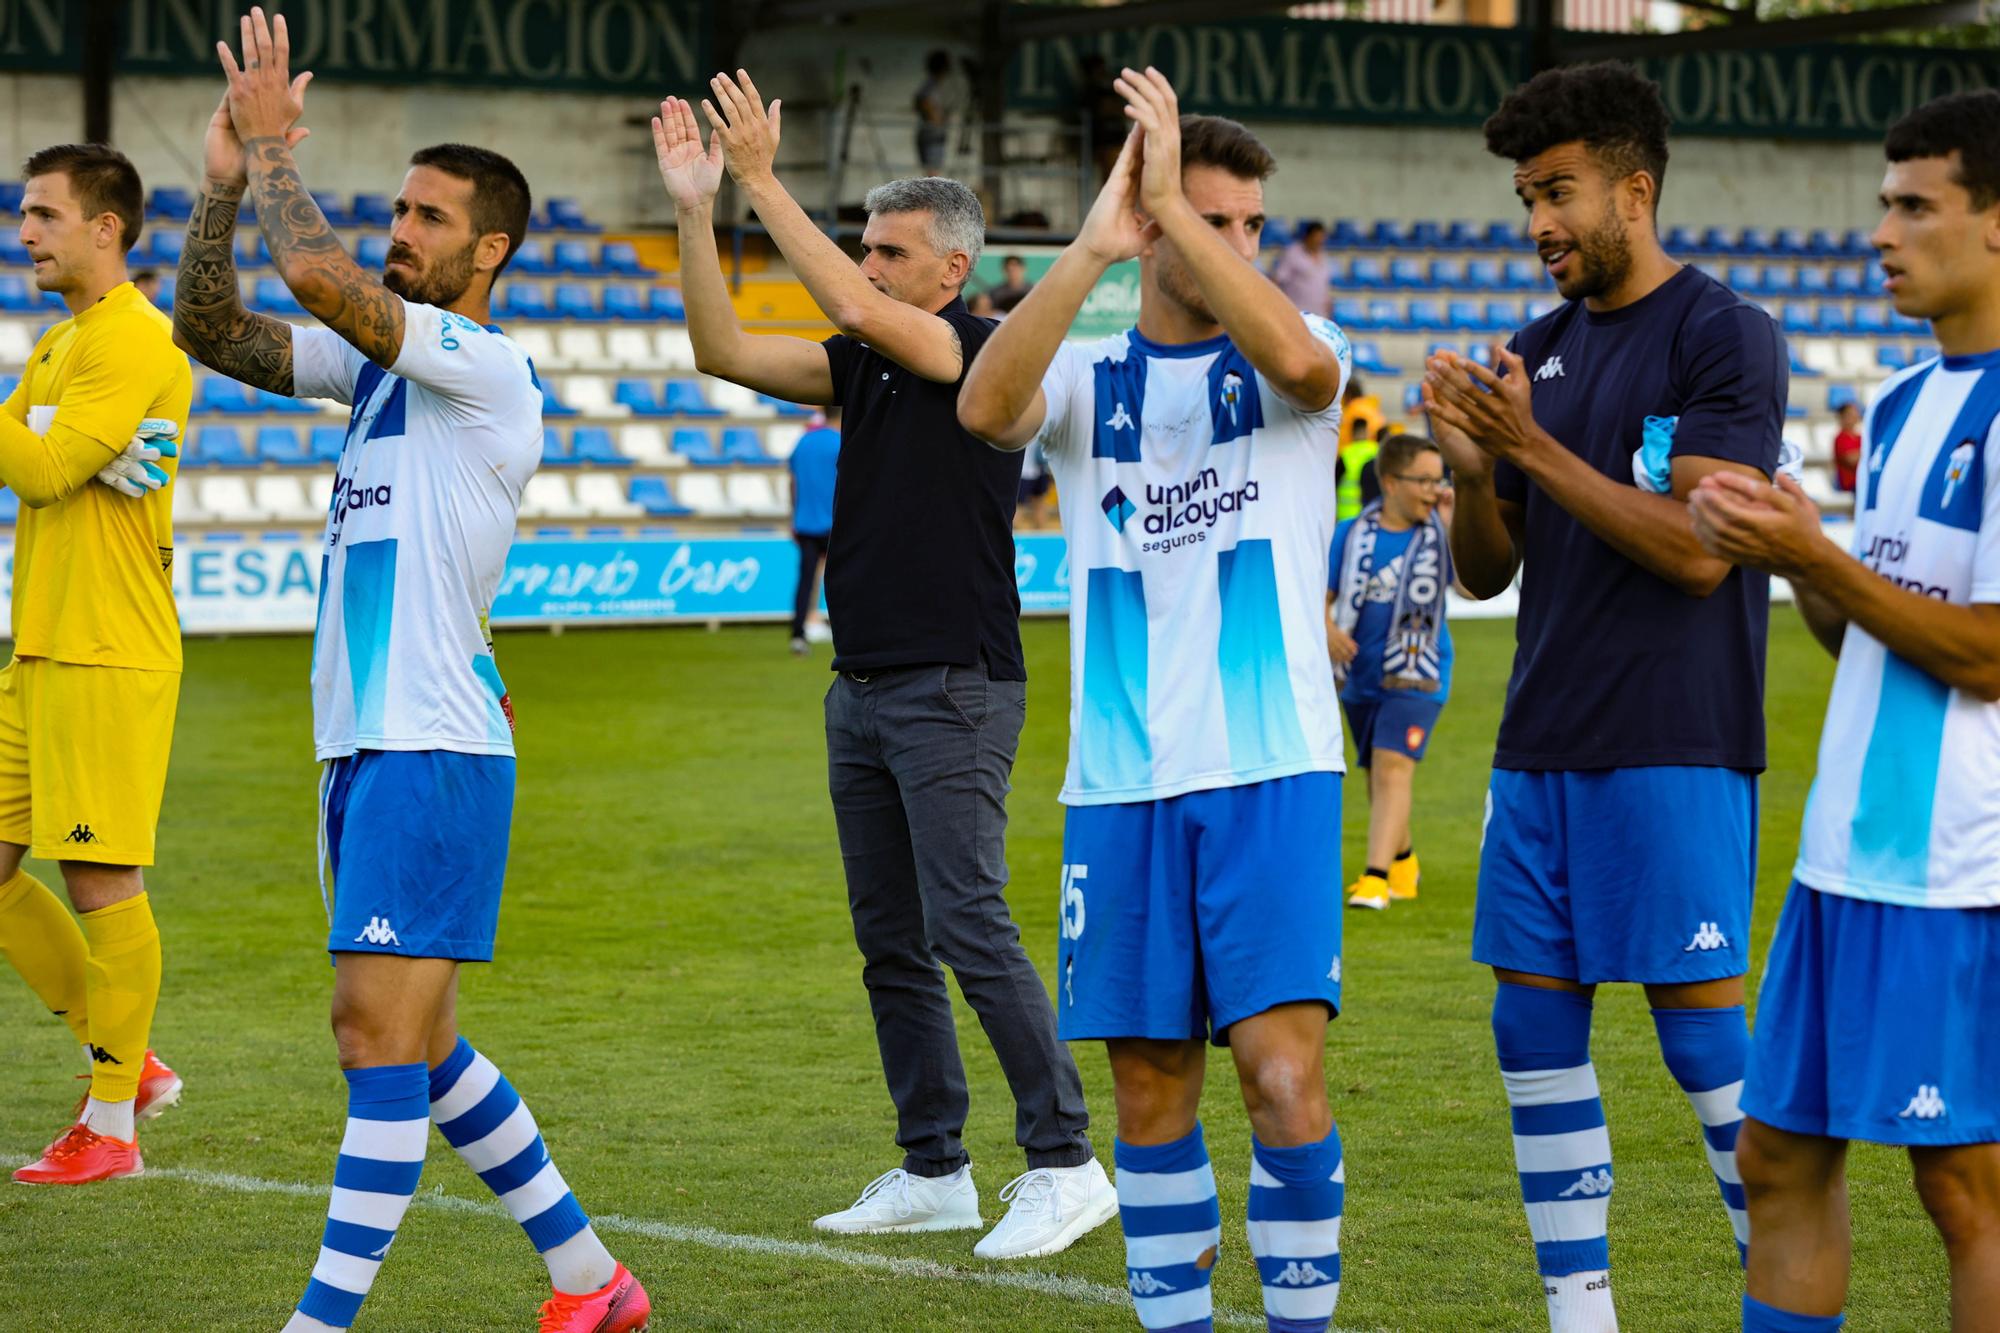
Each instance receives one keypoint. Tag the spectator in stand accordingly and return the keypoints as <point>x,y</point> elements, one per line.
<point>1014,284</point>
<point>147,280</point>
<point>813,462</point>
<point>1304,272</point>
<point>1847,447</point>
<point>933,114</point>
<point>981,304</point>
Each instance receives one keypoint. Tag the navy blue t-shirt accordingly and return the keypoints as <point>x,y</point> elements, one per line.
<point>1615,667</point>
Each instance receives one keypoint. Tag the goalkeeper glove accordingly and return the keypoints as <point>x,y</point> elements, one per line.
<point>133,472</point>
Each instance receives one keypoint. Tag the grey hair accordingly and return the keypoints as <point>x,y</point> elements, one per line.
<point>957,220</point>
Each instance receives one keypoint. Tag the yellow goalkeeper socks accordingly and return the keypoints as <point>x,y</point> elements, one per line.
<point>124,983</point>
<point>40,938</point>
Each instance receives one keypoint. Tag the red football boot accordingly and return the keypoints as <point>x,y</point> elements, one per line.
<point>159,1088</point>
<point>619,1306</point>
<point>82,1156</point>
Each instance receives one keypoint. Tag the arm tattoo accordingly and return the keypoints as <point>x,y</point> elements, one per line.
<point>958,346</point>
<point>209,313</point>
<point>314,264</point>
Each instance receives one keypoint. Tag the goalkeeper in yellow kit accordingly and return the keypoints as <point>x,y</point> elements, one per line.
<point>87,704</point>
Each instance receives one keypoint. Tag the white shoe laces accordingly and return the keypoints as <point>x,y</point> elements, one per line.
<point>1033,1193</point>
<point>891,1189</point>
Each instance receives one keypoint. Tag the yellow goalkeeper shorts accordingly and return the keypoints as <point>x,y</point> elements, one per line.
<point>83,758</point>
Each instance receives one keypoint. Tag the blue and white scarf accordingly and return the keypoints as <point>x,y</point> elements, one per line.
<point>1416,618</point>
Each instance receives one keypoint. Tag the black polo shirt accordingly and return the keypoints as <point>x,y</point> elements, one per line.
<point>920,566</point>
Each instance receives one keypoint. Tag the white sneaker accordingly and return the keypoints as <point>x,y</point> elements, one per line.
<point>899,1201</point>
<point>1052,1208</point>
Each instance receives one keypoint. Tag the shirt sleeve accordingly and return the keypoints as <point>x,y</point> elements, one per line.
<point>324,365</point>
<point>973,331</point>
<point>120,372</point>
<point>839,362</point>
<point>1736,375</point>
<point>1330,333</point>
<point>465,364</point>
<point>1986,551</point>
<point>1059,383</point>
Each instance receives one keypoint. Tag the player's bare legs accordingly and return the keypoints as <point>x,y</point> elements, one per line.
<point>1157,1085</point>
<point>1391,779</point>
<point>1960,1187</point>
<point>1796,1185</point>
<point>386,1008</point>
<point>1281,1062</point>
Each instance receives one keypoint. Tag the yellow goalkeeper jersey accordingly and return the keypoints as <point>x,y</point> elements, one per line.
<point>92,580</point>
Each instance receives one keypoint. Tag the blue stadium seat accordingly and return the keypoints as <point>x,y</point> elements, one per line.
<point>9,383</point>
<point>1387,235</point>
<point>1461,236</point>
<point>166,245</point>
<point>1755,241</point>
<point>1833,319</point>
<point>527,300</point>
<point>1718,241</point>
<point>170,201</point>
<point>1873,280</point>
<point>1871,318</point>
<point>622,258</point>
<point>573,257</point>
<point>574,301</point>
<point>165,300</point>
<point>1277,234</point>
<point>666,303</point>
<point>783,408</point>
<point>1367,274</point>
<point>625,302</point>
<point>696,445</point>
<point>216,394</point>
<point>1387,316</point>
<point>1538,306</point>
<point>1426,315</point>
<point>1847,280</point>
<point>14,293</point>
<point>1854,242</point>
<point>640,397</point>
<point>220,446</point>
<point>1812,280</point>
<point>10,507</point>
<point>593,444</point>
<point>1480,353</point>
<point>651,494</point>
<point>1823,244</point>
<point>373,210</point>
<point>531,259</point>
<point>1525,274</point>
<point>272,297</point>
<point>333,208</point>
<point>740,444</point>
<point>1345,236</point>
<point>12,253</point>
<point>556,450</point>
<point>1413,398</point>
<point>1503,236</point>
<point>1800,370</point>
<point>1406,273</point>
<point>1778,281</point>
<point>1902,324</point>
<point>1483,275</point>
<point>1892,357</point>
<point>1745,280</point>
<point>372,252</point>
<point>1425,235</point>
<point>1503,315</point>
<point>1368,357</point>
<point>686,398</point>
<point>553,405</point>
<point>327,442</point>
<point>281,444</point>
<point>1791,241</point>
<point>1682,241</point>
<point>1840,395</point>
<point>1798,318</point>
<point>1351,314</point>
<point>267,401</point>
<point>252,252</point>
<point>1465,316</point>
<point>1448,275</point>
<point>567,215</point>
<point>10,195</point>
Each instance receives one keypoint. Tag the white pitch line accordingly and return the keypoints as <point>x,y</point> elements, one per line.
<point>1075,1289</point>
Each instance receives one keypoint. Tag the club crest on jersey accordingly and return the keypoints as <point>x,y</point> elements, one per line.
<point>1955,490</point>
<point>1234,406</point>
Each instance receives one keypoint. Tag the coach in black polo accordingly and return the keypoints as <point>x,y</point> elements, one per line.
<point>925,713</point>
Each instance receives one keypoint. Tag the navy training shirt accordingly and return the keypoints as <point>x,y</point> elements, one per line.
<point>1615,667</point>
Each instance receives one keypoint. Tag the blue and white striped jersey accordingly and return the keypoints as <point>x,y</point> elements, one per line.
<point>1198,508</point>
<point>438,450</point>
<point>1906,807</point>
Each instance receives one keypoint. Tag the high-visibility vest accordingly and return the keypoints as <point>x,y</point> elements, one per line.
<point>1353,458</point>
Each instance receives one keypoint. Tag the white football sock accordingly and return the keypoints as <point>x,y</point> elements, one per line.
<point>1580,1303</point>
<point>111,1119</point>
<point>305,1323</point>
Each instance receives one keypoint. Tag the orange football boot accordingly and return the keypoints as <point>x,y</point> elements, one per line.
<point>159,1088</point>
<point>619,1306</point>
<point>82,1156</point>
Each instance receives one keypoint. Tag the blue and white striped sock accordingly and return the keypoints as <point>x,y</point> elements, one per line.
<point>381,1158</point>
<point>1296,1196</point>
<point>1761,1318</point>
<point>480,1114</point>
<point>1173,1231</point>
<point>1561,1148</point>
<point>1706,1051</point>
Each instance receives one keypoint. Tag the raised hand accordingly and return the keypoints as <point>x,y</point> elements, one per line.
<point>1773,526</point>
<point>749,133</point>
<point>222,159</point>
<point>1151,102</point>
<point>1113,230</point>
<point>265,101</point>
<point>691,174</point>
<point>1495,410</point>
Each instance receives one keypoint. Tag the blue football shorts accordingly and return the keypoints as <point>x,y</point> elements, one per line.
<point>1400,722</point>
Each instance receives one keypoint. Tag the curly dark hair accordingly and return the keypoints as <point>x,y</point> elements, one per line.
<point>1614,109</point>
<point>1965,123</point>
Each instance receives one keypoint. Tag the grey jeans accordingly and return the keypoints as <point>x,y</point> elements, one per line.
<point>918,761</point>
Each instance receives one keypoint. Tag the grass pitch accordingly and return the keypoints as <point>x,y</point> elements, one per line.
<point>678,998</point>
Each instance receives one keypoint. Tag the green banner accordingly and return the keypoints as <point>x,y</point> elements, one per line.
<point>1401,74</point>
<point>640,46</point>
<point>1112,306</point>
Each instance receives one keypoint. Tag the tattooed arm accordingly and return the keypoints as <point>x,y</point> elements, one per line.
<point>211,322</point>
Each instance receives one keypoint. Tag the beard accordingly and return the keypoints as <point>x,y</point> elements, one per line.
<point>440,284</point>
<point>1603,261</point>
<point>1178,286</point>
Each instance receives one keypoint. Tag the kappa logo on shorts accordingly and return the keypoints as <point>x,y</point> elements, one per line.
<point>377,932</point>
<point>1709,936</point>
<point>1590,1184</point>
<point>80,834</point>
<point>1926,1105</point>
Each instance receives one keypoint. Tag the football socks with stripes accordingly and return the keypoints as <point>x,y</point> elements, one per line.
<point>1706,1051</point>
<point>1296,1196</point>
<point>1173,1231</point>
<point>381,1159</point>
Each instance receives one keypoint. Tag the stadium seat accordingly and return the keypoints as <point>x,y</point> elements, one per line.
<point>1812,280</point>
<point>686,398</point>
<point>282,499</point>
<point>1461,235</point>
<point>220,446</point>
<point>1840,395</point>
<point>1387,235</point>
<point>217,394</point>
<point>228,500</point>
<point>1275,235</point>
<point>166,245</point>
<point>1823,244</point>
<point>590,396</point>
<point>14,293</point>
<point>319,491</point>
<point>733,400</point>
<point>1427,316</point>
<point>272,297</point>
<point>1857,358</point>
<point>531,259</point>
<point>556,448</point>
<point>252,252</point>
<point>1465,316</point>
<point>1537,307</point>
<point>630,349</point>
<point>1503,316</point>
<point>1777,280</point>
<point>538,343</point>
<point>1525,274</point>
<point>646,444</point>
<point>552,403</point>
<point>1755,241</point>
<point>593,444</point>
<point>372,252</point>
<point>280,444</point>
<point>575,301</point>
<point>1368,357</point>
<point>1413,398</point>
<point>1820,356</point>
<point>527,300</point>
<point>1743,279</point>
<point>780,440</point>
<point>1367,274</point>
<point>17,344</point>
<point>740,444</point>
<point>267,401</point>
<point>1480,353</point>
<point>12,252</point>
<point>582,349</point>
<point>622,258</point>
<point>1350,314</point>
<point>1800,370</point>
<point>675,348</point>
<point>1718,241</point>
<point>327,443</point>
<point>639,397</point>
<point>1791,241</point>
<point>754,495</point>
<point>373,210</point>
<point>1387,315</point>
<point>666,303</point>
<point>703,492</point>
<point>1483,275</point>
<point>10,507</point>
<point>696,445</point>
<point>1407,274</point>
<point>333,208</point>
<point>1502,236</point>
<point>1344,235</point>
<point>1832,318</point>
<point>547,495</point>
<point>1797,318</point>
<point>573,257</point>
<point>625,302</point>
<point>603,496</point>
<point>780,407</point>
<point>1449,275</point>
<point>652,495</point>
<point>1854,242</point>
<point>1891,357</point>
<point>170,201</point>
<point>567,215</point>
<point>1681,241</point>
<point>1873,280</point>
<point>1425,235</point>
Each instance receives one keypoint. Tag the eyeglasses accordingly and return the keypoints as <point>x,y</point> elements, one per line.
<point>1425,483</point>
